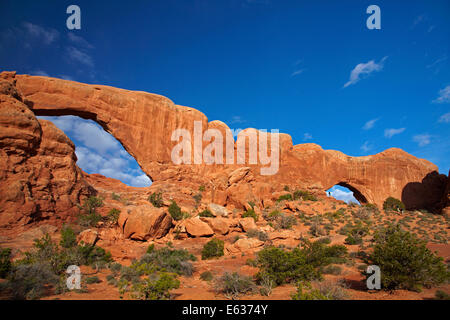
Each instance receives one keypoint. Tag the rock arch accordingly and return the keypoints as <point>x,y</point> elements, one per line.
<point>143,123</point>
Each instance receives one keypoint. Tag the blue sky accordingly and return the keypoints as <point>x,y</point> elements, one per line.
<point>308,68</point>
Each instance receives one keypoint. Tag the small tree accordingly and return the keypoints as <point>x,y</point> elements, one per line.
<point>156,199</point>
<point>5,262</point>
<point>405,262</point>
<point>213,248</point>
<point>175,211</point>
<point>68,237</point>
<point>393,204</point>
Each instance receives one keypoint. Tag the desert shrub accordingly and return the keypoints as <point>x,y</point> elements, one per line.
<point>68,237</point>
<point>232,285</point>
<point>30,281</point>
<point>267,285</point>
<point>304,195</point>
<point>316,228</point>
<point>441,295</point>
<point>332,269</point>
<point>206,213</point>
<point>393,204</point>
<point>326,290</point>
<point>286,188</point>
<point>156,287</point>
<point>201,188</point>
<point>5,262</point>
<point>197,198</point>
<point>356,233</point>
<point>405,261</point>
<point>306,292</point>
<point>175,211</point>
<point>113,216</point>
<point>366,211</point>
<point>206,276</point>
<point>260,235</point>
<point>115,196</point>
<point>283,266</point>
<point>88,216</point>
<point>285,221</point>
<point>167,259</point>
<point>286,196</point>
<point>156,199</point>
<point>250,213</point>
<point>93,279</point>
<point>212,249</point>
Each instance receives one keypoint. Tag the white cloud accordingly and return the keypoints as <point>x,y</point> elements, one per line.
<point>366,147</point>
<point>363,70</point>
<point>389,133</point>
<point>79,41</point>
<point>339,194</point>
<point>46,35</point>
<point>445,118</point>
<point>444,95</point>
<point>78,56</point>
<point>297,72</point>
<point>307,136</point>
<point>39,73</point>
<point>237,119</point>
<point>98,152</point>
<point>369,124</point>
<point>422,139</point>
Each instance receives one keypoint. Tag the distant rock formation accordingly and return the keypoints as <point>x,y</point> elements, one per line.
<point>39,174</point>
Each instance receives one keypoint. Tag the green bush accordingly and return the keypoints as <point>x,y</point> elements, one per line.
<point>304,195</point>
<point>261,235</point>
<point>206,276</point>
<point>405,261</point>
<point>286,196</point>
<point>212,249</point>
<point>197,198</point>
<point>156,199</point>
<point>232,285</point>
<point>326,290</point>
<point>156,287</point>
<point>89,216</point>
<point>309,294</point>
<point>115,196</point>
<point>250,213</point>
<point>283,266</point>
<point>113,216</point>
<point>285,221</point>
<point>30,281</point>
<point>207,214</point>
<point>93,279</point>
<point>392,204</point>
<point>175,211</point>
<point>166,259</point>
<point>201,188</point>
<point>5,262</point>
<point>68,237</point>
<point>441,295</point>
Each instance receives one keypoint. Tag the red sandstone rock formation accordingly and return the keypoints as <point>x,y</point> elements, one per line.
<point>38,172</point>
<point>144,123</point>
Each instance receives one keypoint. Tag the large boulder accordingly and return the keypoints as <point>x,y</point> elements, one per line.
<point>247,224</point>
<point>219,225</point>
<point>145,222</point>
<point>197,228</point>
<point>218,210</point>
<point>88,237</point>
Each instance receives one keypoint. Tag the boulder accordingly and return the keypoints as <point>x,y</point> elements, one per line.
<point>145,222</point>
<point>88,237</point>
<point>243,245</point>
<point>217,210</point>
<point>197,228</point>
<point>219,225</point>
<point>247,224</point>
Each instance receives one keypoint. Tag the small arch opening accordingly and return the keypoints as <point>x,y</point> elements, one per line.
<point>345,192</point>
<point>99,152</point>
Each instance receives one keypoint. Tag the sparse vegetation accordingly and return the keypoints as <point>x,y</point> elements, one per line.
<point>250,213</point>
<point>206,276</point>
<point>283,266</point>
<point>260,235</point>
<point>175,211</point>
<point>213,249</point>
<point>405,261</point>
<point>113,216</point>
<point>232,285</point>
<point>89,216</point>
<point>5,262</point>
<point>393,204</point>
<point>156,199</point>
<point>206,213</point>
